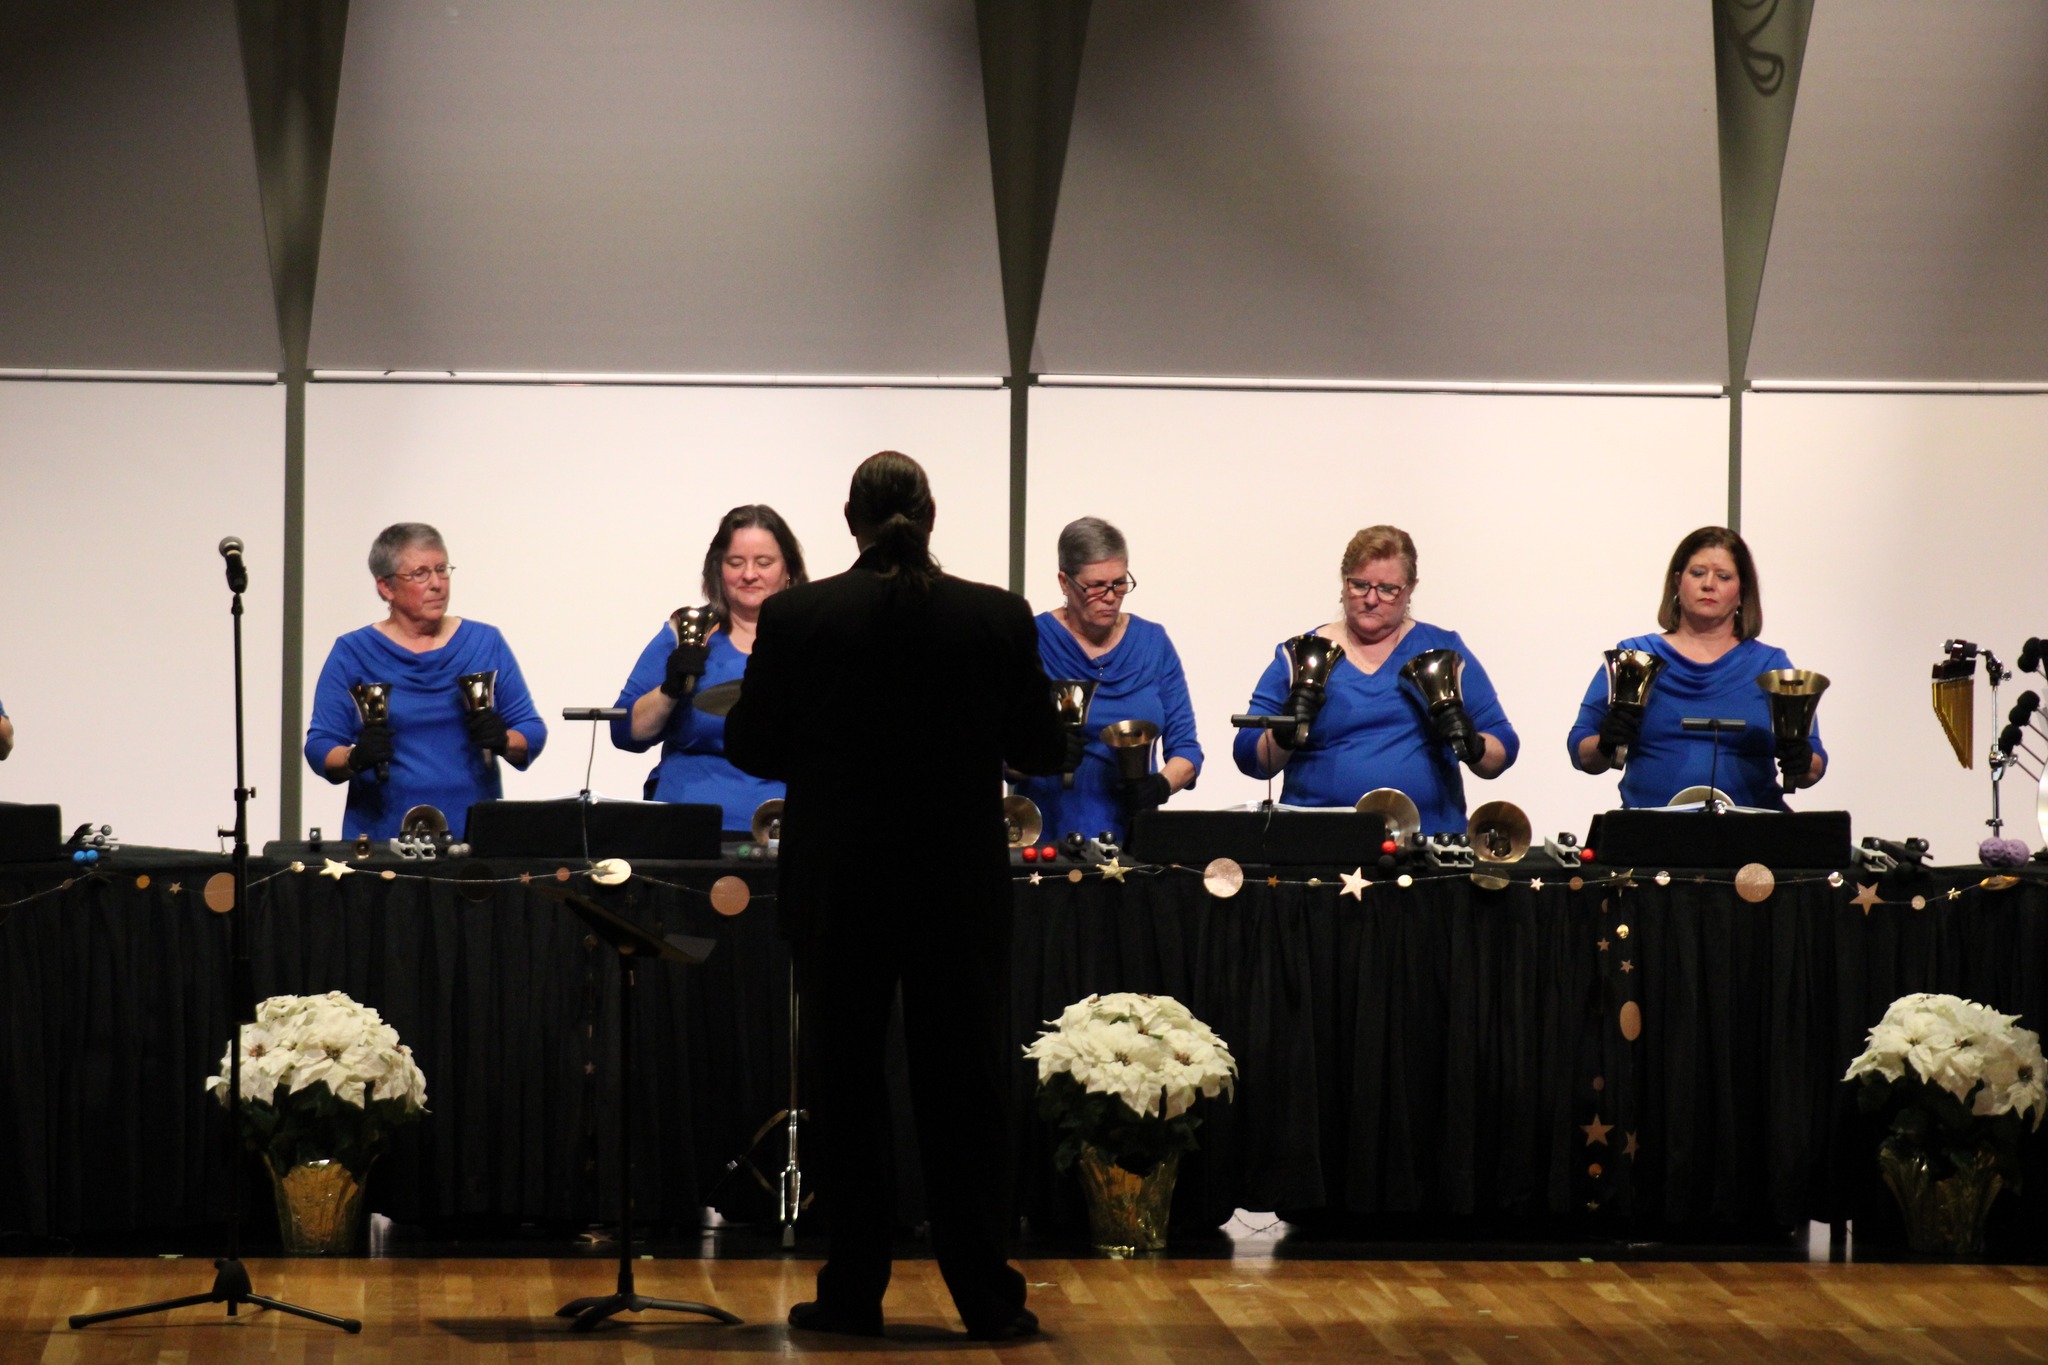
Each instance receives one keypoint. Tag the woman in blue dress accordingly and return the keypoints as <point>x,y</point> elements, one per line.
<point>1367,727</point>
<point>430,750</point>
<point>752,557</point>
<point>1137,676</point>
<point>1711,611</point>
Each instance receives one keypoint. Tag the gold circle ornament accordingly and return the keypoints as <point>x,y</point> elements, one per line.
<point>1834,879</point>
<point>1621,931</point>
<point>1223,878</point>
<point>1631,1020</point>
<point>2001,882</point>
<point>1663,879</point>
<point>561,874</point>
<point>1074,875</point>
<point>1754,882</point>
<point>610,871</point>
<point>388,875</point>
<point>1919,902</point>
<point>730,895</point>
<point>1404,881</point>
<point>220,892</point>
<point>1578,883</point>
<point>142,882</point>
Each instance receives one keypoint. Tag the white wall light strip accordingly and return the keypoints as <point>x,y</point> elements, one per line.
<point>147,376</point>
<point>1133,381</point>
<point>1893,386</point>
<point>572,378</point>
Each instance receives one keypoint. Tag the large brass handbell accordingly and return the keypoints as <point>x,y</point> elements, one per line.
<point>1499,832</point>
<point>373,707</point>
<point>1794,695</point>
<point>1436,674</point>
<point>693,624</point>
<point>1629,675</point>
<point>1130,743</point>
<point>479,690</point>
<point>1071,697</point>
<point>1309,661</point>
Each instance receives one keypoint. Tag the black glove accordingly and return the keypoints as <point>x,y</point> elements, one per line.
<point>486,729</point>
<point>372,750</point>
<point>685,665</point>
<point>1795,760</point>
<point>1621,729</point>
<point>1077,744</point>
<point>1303,703</point>
<point>1455,728</point>
<point>1145,793</point>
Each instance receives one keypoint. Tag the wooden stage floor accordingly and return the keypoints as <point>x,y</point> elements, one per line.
<point>1260,1312</point>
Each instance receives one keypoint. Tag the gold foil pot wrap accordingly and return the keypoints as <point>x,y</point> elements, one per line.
<point>1436,674</point>
<point>1499,831</point>
<point>319,1207</point>
<point>693,624</point>
<point>373,701</point>
<point>1794,695</point>
<point>1130,743</point>
<point>1023,822</point>
<point>1127,1213</point>
<point>479,690</point>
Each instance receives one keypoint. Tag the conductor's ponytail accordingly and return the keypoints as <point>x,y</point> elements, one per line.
<point>890,507</point>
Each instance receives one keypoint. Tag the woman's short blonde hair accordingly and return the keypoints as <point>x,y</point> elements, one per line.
<point>1379,542</point>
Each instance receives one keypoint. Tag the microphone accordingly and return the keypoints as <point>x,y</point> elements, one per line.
<point>238,572</point>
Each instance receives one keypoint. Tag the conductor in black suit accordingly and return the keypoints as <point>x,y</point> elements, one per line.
<point>889,698</point>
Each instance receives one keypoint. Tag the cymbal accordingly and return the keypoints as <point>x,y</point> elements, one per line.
<point>717,699</point>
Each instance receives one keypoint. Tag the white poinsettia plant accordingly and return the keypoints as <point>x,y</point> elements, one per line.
<point>322,1077</point>
<point>1122,1073</point>
<point>1955,1078</point>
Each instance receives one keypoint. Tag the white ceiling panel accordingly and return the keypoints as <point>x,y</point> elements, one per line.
<point>633,185</point>
<point>131,230</point>
<point>1467,189</point>
<point>1911,240</point>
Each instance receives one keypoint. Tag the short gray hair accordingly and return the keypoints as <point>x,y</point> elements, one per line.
<point>395,540</point>
<point>1090,540</point>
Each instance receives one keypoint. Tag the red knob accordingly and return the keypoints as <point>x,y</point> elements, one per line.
<point>1585,855</point>
<point>1048,853</point>
<point>1030,855</point>
<point>1390,847</point>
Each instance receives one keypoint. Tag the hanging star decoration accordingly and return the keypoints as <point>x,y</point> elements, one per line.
<point>1954,894</point>
<point>177,888</point>
<point>1866,897</point>
<point>336,870</point>
<point>1627,965</point>
<point>1535,883</point>
<point>1354,884</point>
<point>1596,1132</point>
<point>1037,877</point>
<point>1113,871</point>
<point>1631,1148</point>
<point>1603,945</point>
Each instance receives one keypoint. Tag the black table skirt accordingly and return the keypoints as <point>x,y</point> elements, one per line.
<point>1440,1050</point>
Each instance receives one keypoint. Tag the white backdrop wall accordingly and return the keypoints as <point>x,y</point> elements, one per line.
<point>1542,526</point>
<point>578,517</point>
<point>116,659</point>
<point>1884,525</point>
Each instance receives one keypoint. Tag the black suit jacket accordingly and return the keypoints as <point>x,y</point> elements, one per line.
<point>890,711</point>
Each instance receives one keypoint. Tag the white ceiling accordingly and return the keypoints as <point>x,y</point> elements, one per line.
<point>1481,190</point>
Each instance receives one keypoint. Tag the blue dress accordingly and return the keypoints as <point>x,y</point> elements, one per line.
<point>1667,759</point>
<point>1374,731</point>
<point>432,761</point>
<point>693,765</point>
<point>1141,679</point>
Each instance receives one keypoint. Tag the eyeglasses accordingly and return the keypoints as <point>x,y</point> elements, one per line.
<point>1116,587</point>
<point>1385,592</point>
<point>419,576</point>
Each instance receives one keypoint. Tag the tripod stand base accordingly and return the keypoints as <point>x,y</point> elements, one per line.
<point>590,1312</point>
<point>231,1287</point>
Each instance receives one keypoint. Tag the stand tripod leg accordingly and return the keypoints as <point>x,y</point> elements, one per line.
<point>230,1287</point>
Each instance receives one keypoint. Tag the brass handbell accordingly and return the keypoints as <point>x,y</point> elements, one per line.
<point>373,707</point>
<point>479,690</point>
<point>693,624</point>
<point>1794,695</point>
<point>1629,675</point>
<point>1309,660</point>
<point>1435,673</point>
<point>1022,821</point>
<point>1130,743</point>
<point>766,826</point>
<point>1499,832</point>
<point>1071,698</point>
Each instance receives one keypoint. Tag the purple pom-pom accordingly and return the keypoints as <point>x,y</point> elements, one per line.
<point>2002,853</point>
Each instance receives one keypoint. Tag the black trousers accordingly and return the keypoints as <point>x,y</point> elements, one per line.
<point>952,964</point>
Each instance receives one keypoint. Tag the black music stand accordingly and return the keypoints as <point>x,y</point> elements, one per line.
<point>633,942</point>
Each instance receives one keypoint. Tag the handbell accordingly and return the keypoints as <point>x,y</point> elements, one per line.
<point>1794,695</point>
<point>1311,657</point>
<point>693,624</point>
<point>1022,821</point>
<point>373,707</point>
<point>1629,675</point>
<point>1500,832</point>
<point>1071,698</point>
<point>479,690</point>
<point>1130,743</point>
<point>1435,673</point>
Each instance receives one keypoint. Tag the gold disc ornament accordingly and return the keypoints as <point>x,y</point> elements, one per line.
<point>730,895</point>
<point>1631,1020</point>
<point>220,892</point>
<point>1223,878</point>
<point>1754,882</point>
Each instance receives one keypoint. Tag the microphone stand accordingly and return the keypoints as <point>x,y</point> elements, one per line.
<point>231,1285</point>
<point>1714,805</point>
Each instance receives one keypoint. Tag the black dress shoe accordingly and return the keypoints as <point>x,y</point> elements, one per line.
<point>822,1317</point>
<point>1025,1324</point>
